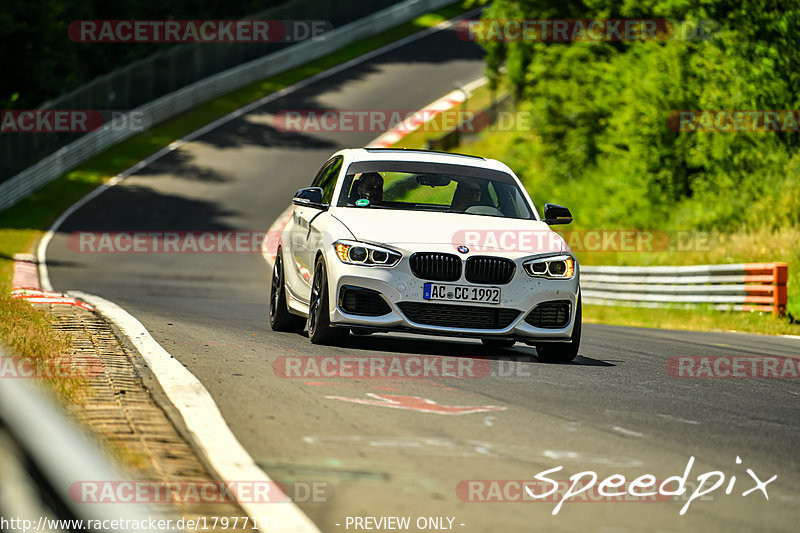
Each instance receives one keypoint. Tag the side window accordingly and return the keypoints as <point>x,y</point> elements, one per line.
<point>326,178</point>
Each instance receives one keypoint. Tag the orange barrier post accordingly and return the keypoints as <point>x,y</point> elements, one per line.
<point>781,273</point>
<point>772,289</point>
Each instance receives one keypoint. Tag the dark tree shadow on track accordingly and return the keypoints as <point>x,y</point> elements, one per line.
<point>438,48</point>
<point>180,164</point>
<point>242,132</point>
<point>142,209</point>
<point>456,348</point>
<point>581,360</point>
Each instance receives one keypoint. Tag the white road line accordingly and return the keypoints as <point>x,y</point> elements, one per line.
<point>41,250</point>
<point>214,439</point>
<point>677,419</point>
<point>628,432</point>
<point>587,458</point>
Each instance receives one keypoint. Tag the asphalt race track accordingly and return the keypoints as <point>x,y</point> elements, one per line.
<point>615,410</point>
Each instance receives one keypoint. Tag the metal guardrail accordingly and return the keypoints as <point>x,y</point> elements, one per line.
<point>170,68</point>
<point>180,101</point>
<point>42,454</point>
<point>738,287</point>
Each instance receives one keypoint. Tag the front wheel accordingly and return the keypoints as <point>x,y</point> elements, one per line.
<point>280,319</point>
<point>320,330</point>
<point>562,352</point>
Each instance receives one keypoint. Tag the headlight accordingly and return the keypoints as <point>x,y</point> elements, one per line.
<point>359,253</point>
<point>558,267</point>
<point>356,254</point>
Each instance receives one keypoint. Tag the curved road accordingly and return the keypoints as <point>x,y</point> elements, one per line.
<point>615,410</point>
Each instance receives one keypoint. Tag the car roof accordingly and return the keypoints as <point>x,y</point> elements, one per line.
<point>430,156</point>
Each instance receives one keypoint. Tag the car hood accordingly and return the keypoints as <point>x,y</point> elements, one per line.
<point>478,233</point>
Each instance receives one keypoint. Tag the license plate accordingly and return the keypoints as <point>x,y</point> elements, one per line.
<point>461,293</point>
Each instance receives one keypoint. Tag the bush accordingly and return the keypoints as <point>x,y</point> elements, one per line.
<point>601,142</point>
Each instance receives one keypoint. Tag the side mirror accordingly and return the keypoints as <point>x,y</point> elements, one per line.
<point>309,197</point>
<point>555,214</point>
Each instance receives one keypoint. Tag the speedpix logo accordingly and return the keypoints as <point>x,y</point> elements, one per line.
<point>588,486</point>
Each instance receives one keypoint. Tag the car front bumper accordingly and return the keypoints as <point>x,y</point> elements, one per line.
<point>398,284</point>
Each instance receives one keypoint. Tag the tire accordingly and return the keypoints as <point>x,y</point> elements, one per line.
<point>280,319</point>
<point>562,352</point>
<point>498,343</point>
<point>320,330</point>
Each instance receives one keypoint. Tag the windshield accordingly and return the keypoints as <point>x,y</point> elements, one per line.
<point>433,187</point>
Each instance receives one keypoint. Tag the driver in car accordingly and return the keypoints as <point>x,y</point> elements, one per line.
<point>468,193</point>
<point>370,187</point>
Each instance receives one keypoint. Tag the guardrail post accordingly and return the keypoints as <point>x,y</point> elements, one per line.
<point>780,273</point>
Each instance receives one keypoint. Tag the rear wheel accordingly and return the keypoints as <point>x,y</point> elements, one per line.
<point>498,343</point>
<point>280,319</point>
<point>320,330</point>
<point>562,352</point>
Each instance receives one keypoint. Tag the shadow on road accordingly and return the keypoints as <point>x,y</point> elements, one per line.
<point>521,353</point>
<point>135,208</point>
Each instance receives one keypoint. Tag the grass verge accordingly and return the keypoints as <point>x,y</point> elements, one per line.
<point>37,348</point>
<point>701,319</point>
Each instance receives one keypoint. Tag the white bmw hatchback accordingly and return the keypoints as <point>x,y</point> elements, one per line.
<point>425,242</point>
